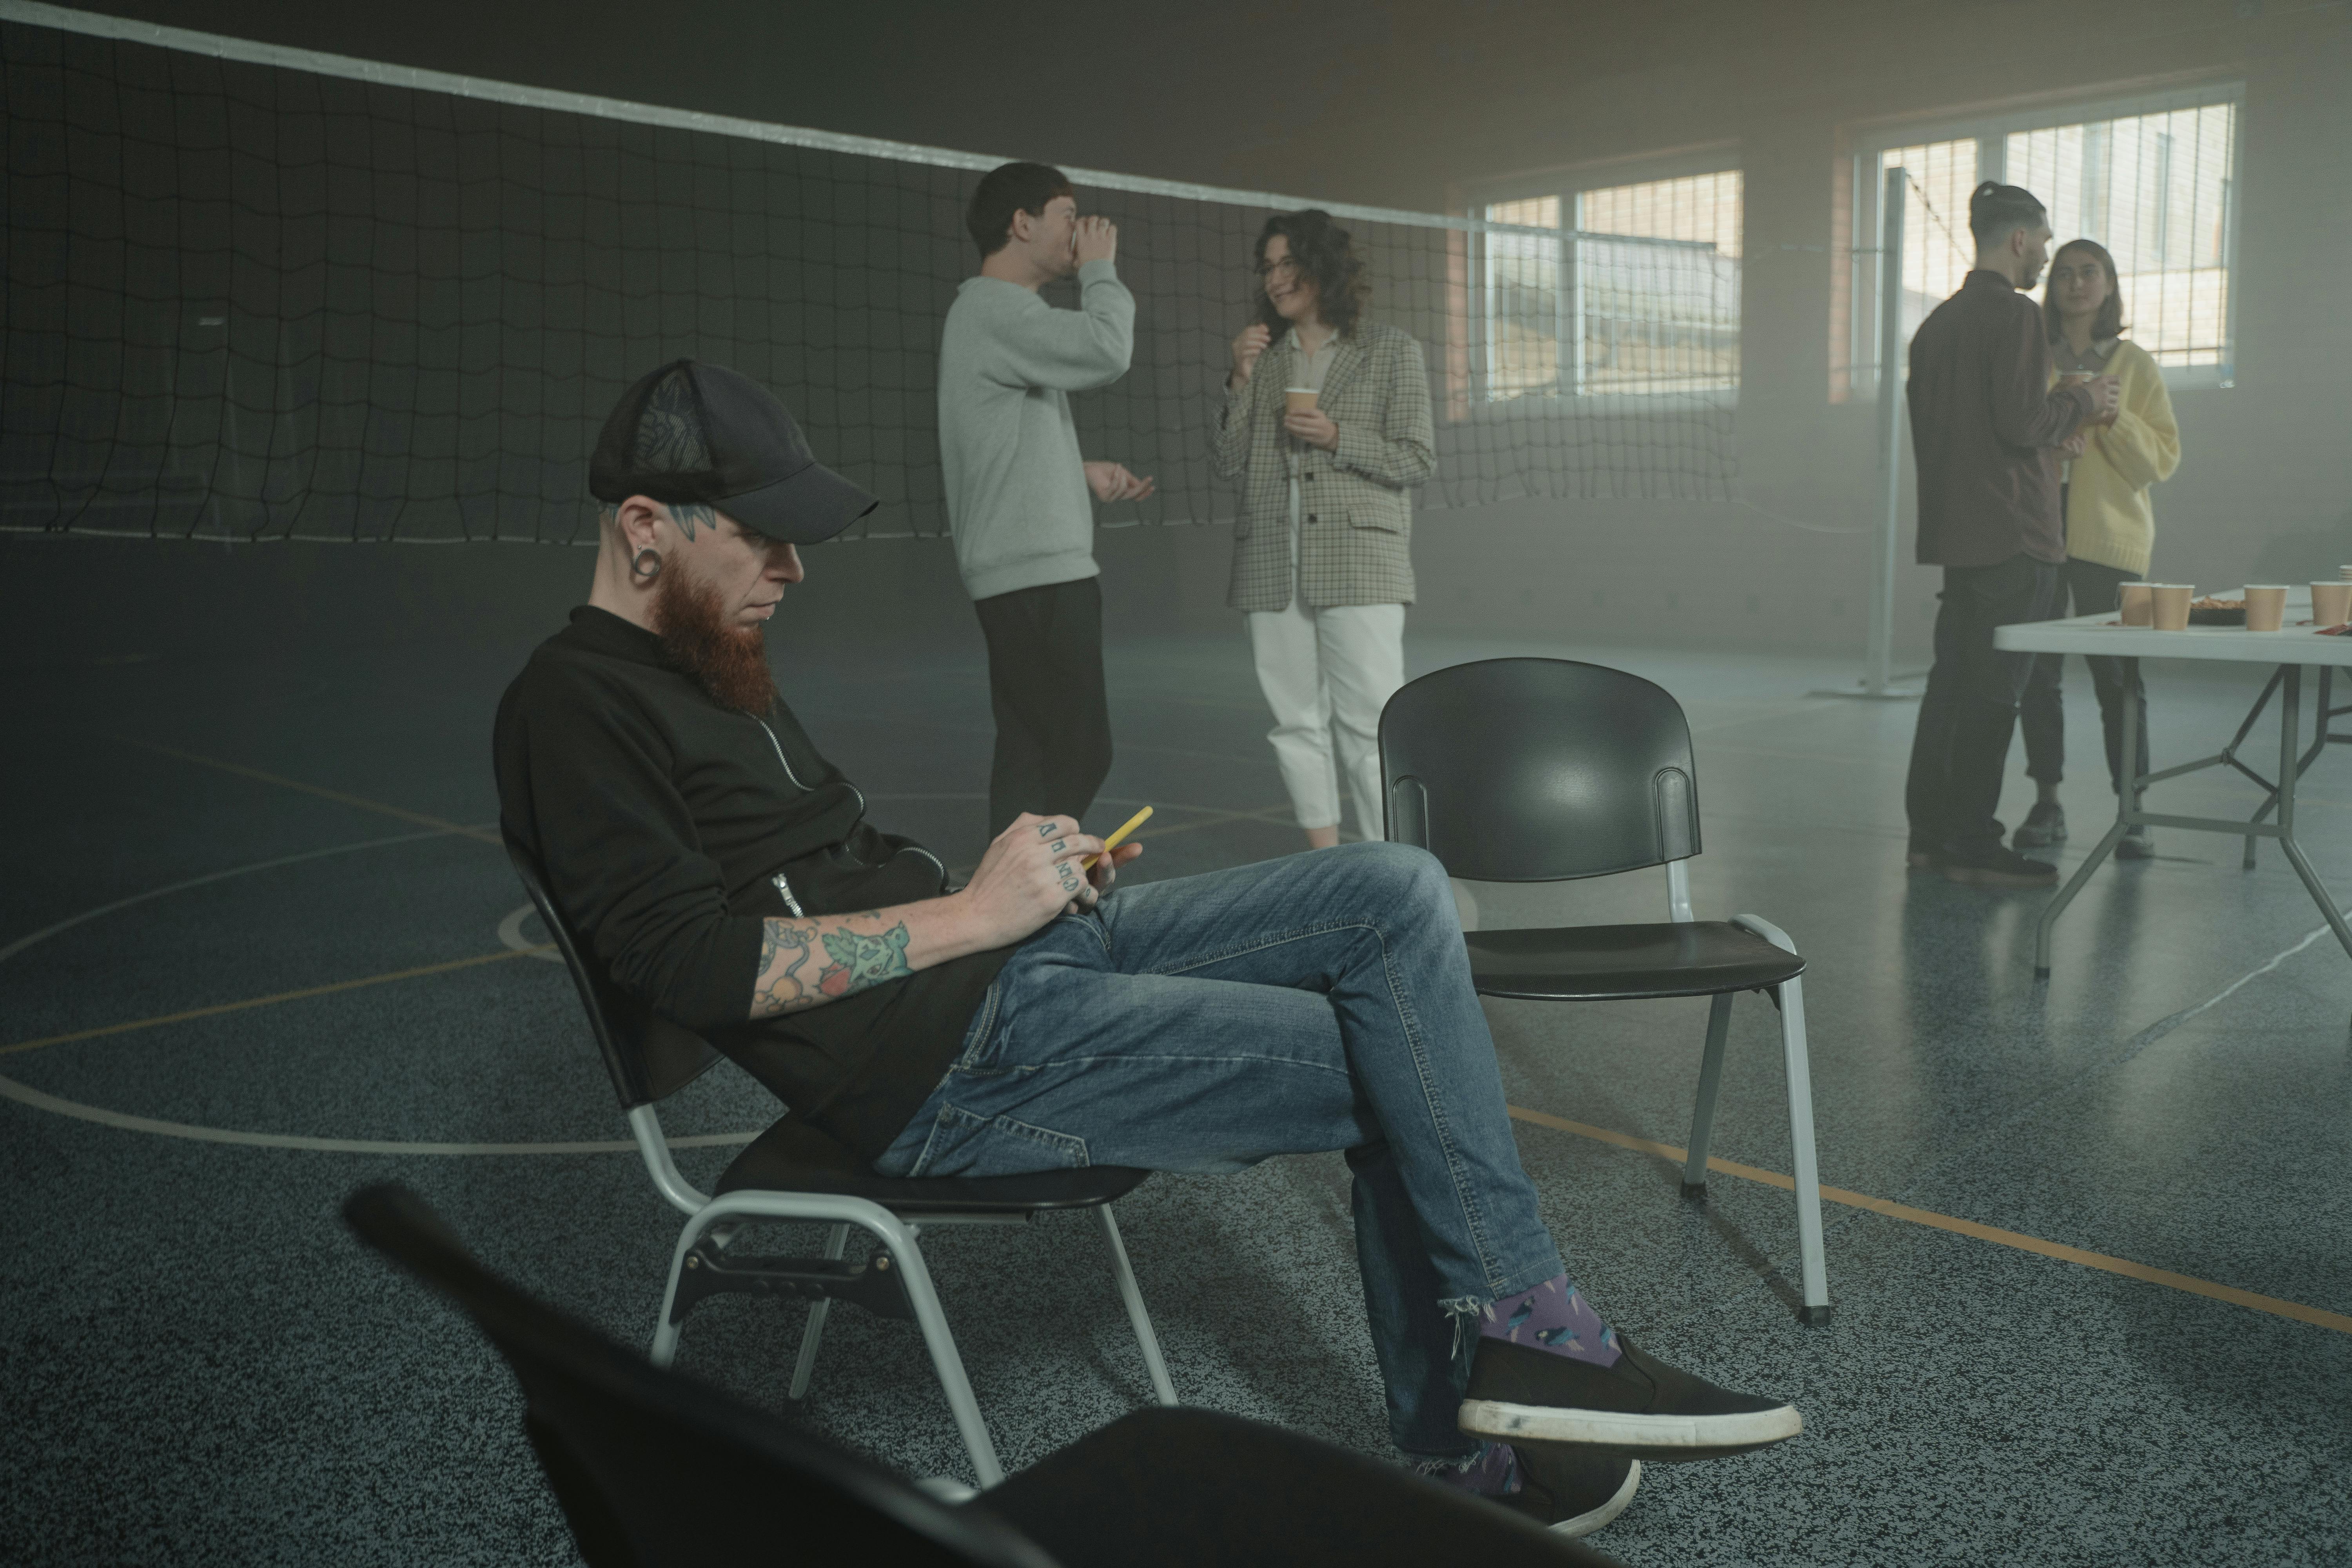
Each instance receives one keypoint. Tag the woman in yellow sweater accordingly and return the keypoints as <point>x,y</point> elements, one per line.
<point>2110,527</point>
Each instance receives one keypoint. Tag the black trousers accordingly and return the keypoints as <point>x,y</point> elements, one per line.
<point>2042,710</point>
<point>1045,687</point>
<point>1961,747</point>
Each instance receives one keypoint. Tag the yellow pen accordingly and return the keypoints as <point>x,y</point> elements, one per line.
<point>1116,839</point>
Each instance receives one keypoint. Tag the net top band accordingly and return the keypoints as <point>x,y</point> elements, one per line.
<point>248,51</point>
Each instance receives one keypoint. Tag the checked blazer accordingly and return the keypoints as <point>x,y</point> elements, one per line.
<point>1355,515</point>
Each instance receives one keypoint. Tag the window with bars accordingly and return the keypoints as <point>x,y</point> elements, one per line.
<point>1627,289</point>
<point>2153,182</point>
<point>2155,190</point>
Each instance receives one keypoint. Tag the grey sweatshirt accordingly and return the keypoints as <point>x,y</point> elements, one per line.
<point>1016,489</point>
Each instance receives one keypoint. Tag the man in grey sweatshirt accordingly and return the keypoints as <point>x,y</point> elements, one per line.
<point>1017,486</point>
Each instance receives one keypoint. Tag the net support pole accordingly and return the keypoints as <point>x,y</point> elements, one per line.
<point>1878,678</point>
<point>1878,681</point>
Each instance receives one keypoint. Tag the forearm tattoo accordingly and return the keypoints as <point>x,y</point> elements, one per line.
<point>805,963</point>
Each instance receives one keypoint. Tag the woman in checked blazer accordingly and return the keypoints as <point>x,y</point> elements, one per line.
<point>1322,554</point>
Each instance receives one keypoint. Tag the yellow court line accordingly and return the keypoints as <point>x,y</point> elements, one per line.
<point>2318,1316</point>
<point>217,1008</point>
<point>402,813</point>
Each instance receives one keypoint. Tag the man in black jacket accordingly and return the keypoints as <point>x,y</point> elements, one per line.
<point>1985,425</point>
<point>725,874</point>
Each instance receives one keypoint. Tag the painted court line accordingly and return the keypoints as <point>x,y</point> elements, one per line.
<point>483,834</point>
<point>219,1007</point>
<point>22,943</point>
<point>25,1094</point>
<point>2317,1316</point>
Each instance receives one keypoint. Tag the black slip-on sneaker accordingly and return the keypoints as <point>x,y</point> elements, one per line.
<point>1922,857</point>
<point>1641,1407</point>
<point>1574,1491</point>
<point>2043,826</point>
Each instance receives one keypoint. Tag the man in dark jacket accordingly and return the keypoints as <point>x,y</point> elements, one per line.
<point>723,873</point>
<point>1985,424</point>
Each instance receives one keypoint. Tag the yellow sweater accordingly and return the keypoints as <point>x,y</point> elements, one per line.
<point>2108,518</point>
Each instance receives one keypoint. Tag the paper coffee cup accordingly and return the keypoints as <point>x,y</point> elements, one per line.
<point>1298,399</point>
<point>2331,604</point>
<point>2135,604</point>
<point>2168,605</point>
<point>2265,606</point>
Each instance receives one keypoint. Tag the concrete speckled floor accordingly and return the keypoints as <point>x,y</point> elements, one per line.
<point>197,1366</point>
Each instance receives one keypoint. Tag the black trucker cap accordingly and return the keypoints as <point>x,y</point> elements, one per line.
<point>696,432</point>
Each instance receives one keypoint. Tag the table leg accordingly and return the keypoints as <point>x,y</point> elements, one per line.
<point>2127,813</point>
<point>2289,714</point>
<point>2318,744</point>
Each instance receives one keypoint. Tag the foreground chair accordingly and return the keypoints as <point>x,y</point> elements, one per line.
<point>652,1467</point>
<point>1538,770</point>
<point>792,1172</point>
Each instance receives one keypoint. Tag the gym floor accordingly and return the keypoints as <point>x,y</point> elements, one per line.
<point>258,947</point>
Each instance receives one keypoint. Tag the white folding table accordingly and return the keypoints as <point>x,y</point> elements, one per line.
<point>2290,649</point>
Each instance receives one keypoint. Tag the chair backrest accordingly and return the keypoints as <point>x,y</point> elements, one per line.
<point>1537,770</point>
<point>653,1468</point>
<point>649,1056</point>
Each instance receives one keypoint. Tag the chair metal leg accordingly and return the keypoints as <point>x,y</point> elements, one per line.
<point>1790,994</point>
<point>665,1330</point>
<point>1710,1078</point>
<point>1812,1258</point>
<point>917,1279</point>
<point>1132,1294</point>
<point>835,1245</point>
<point>914,1277</point>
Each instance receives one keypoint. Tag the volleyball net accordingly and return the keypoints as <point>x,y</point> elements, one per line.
<point>257,293</point>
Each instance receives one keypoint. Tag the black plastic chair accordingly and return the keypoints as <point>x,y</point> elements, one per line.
<point>652,1467</point>
<point>793,1172</point>
<point>1540,770</point>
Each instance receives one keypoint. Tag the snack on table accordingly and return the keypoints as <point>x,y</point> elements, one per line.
<point>2209,603</point>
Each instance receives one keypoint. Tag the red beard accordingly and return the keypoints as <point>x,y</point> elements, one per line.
<point>728,662</point>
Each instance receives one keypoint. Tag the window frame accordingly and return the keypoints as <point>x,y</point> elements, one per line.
<point>1568,183</point>
<point>1992,132</point>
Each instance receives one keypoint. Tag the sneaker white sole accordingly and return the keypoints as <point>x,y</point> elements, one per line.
<point>1586,1523</point>
<point>1667,1436</point>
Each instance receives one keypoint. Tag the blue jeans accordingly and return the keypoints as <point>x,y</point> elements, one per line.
<point>1313,1002</point>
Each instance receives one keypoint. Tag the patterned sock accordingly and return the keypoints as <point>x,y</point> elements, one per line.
<point>1493,1472</point>
<point>1553,1317</point>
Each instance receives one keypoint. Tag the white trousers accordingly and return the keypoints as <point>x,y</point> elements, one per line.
<point>1327,674</point>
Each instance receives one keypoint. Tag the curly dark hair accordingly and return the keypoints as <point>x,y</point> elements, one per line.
<point>2110,322</point>
<point>1327,257</point>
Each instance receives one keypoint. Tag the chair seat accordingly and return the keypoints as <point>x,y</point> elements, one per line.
<point>1599,963</point>
<point>793,1157</point>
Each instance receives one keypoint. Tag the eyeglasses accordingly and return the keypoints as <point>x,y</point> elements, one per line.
<point>1269,269</point>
